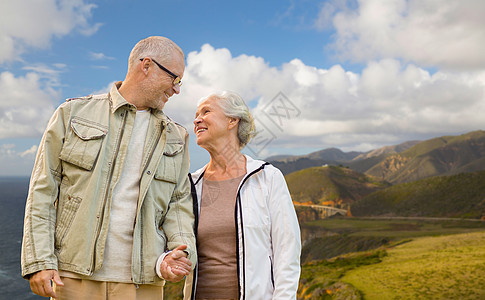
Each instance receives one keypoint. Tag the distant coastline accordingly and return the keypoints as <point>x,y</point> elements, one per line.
<point>13,178</point>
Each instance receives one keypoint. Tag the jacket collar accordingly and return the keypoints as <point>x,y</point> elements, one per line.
<point>115,98</point>
<point>117,101</point>
<point>251,166</point>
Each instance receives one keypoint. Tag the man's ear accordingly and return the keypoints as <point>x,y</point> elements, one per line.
<point>144,66</point>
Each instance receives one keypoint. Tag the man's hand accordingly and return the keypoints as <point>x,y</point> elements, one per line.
<point>175,266</point>
<point>40,283</point>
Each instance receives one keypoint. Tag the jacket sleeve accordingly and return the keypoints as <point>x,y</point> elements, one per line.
<point>40,210</point>
<point>179,221</point>
<point>286,241</point>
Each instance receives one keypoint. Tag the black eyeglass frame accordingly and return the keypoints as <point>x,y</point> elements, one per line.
<point>176,78</point>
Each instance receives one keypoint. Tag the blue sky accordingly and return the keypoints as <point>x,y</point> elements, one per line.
<point>355,75</point>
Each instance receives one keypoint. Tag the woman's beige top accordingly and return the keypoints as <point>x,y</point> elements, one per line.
<point>216,241</point>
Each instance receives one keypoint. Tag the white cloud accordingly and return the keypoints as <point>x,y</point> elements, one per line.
<point>446,34</point>
<point>326,13</point>
<point>49,75</point>
<point>7,148</point>
<point>60,65</point>
<point>16,162</point>
<point>26,103</point>
<point>32,24</point>
<point>104,89</point>
<point>29,152</point>
<point>213,70</point>
<point>387,103</point>
<point>100,56</point>
<point>44,69</point>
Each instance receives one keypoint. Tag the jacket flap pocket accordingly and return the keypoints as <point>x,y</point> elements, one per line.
<point>169,164</point>
<point>87,131</point>
<point>167,170</point>
<point>173,148</point>
<point>168,176</point>
<point>83,143</point>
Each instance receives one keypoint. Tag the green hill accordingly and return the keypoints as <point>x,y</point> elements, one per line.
<point>320,185</point>
<point>446,267</point>
<point>461,195</point>
<point>445,155</point>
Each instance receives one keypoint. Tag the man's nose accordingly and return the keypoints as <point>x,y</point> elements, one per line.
<point>176,88</point>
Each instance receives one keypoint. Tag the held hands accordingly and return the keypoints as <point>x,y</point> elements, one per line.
<point>175,266</point>
<point>40,283</point>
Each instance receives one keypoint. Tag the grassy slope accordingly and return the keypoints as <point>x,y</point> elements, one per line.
<point>461,195</point>
<point>445,267</point>
<point>322,277</point>
<point>329,238</point>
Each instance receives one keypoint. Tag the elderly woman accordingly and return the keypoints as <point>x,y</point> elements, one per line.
<point>248,237</point>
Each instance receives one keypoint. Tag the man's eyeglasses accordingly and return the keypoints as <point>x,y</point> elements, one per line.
<point>177,81</point>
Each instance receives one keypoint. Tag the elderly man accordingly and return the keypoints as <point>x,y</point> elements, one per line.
<point>109,212</point>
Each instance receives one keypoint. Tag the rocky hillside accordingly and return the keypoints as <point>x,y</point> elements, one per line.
<point>445,155</point>
<point>330,185</point>
<point>409,161</point>
<point>386,150</point>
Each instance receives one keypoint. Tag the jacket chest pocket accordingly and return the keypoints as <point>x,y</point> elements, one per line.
<point>171,162</point>
<point>168,171</point>
<point>83,143</point>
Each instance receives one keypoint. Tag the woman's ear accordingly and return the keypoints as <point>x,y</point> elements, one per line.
<point>233,122</point>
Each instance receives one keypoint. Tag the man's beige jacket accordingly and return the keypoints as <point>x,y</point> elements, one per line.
<point>79,162</point>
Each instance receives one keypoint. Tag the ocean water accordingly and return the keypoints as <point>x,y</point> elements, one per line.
<point>13,193</point>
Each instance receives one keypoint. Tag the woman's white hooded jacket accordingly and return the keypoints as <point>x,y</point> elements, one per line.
<point>268,234</point>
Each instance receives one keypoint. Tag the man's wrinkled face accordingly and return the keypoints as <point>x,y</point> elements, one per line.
<point>159,87</point>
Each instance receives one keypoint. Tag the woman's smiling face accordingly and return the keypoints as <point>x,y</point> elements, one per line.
<point>210,124</point>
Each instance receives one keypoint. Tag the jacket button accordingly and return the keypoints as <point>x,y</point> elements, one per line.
<point>149,172</point>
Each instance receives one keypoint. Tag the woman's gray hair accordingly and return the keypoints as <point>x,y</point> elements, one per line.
<point>234,107</point>
<point>155,47</point>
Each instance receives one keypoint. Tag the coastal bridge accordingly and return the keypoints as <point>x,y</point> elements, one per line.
<point>324,211</point>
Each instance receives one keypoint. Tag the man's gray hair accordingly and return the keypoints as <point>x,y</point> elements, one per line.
<point>155,47</point>
<point>233,106</point>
